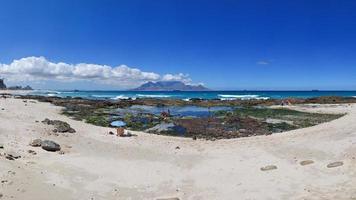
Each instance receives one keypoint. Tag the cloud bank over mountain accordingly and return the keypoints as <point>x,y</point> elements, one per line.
<point>41,69</point>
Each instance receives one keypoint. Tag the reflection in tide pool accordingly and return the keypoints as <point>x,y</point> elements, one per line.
<point>181,111</point>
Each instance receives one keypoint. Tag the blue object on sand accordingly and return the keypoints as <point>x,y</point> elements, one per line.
<point>118,123</point>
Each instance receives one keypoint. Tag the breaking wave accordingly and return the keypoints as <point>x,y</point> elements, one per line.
<point>154,95</point>
<point>121,97</point>
<point>242,97</point>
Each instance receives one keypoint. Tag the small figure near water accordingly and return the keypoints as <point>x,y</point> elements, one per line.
<point>286,103</point>
<point>120,132</point>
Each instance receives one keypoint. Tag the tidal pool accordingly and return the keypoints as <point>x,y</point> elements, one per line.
<point>178,111</point>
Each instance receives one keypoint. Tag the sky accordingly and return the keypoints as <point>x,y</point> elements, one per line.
<point>223,44</point>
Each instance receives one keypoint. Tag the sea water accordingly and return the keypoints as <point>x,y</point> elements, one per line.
<point>222,95</point>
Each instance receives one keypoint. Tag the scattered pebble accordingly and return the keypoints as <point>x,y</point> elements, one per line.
<point>268,167</point>
<point>11,155</point>
<point>32,152</point>
<point>335,164</point>
<point>177,147</point>
<point>306,162</point>
<point>172,198</point>
<point>36,143</point>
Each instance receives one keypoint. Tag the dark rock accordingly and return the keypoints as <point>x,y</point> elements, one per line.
<point>32,152</point>
<point>111,133</point>
<point>49,145</point>
<point>11,155</point>
<point>268,168</point>
<point>306,162</point>
<point>335,164</point>
<point>36,143</point>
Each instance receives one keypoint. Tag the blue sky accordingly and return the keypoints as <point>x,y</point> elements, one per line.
<point>306,44</point>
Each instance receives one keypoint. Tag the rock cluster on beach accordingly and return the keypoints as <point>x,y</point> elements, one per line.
<point>59,126</point>
<point>47,145</point>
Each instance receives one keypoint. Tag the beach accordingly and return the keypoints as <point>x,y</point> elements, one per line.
<point>96,165</point>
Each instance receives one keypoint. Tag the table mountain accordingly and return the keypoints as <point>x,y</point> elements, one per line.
<point>169,86</point>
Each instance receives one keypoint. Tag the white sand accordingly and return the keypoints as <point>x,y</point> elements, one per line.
<point>102,166</point>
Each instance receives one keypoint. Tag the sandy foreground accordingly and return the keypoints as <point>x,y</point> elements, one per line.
<point>97,165</point>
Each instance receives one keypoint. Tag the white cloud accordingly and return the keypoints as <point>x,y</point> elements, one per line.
<point>263,62</point>
<point>177,77</point>
<point>40,69</point>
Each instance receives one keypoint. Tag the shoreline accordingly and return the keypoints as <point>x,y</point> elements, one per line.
<point>101,166</point>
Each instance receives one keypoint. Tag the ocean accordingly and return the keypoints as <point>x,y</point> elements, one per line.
<point>223,95</point>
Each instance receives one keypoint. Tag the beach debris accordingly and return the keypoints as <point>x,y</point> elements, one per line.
<point>306,162</point>
<point>60,126</point>
<point>268,168</point>
<point>49,145</point>
<point>11,155</point>
<point>335,164</point>
<point>36,143</point>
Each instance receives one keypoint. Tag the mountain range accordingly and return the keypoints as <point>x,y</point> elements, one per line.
<point>169,86</point>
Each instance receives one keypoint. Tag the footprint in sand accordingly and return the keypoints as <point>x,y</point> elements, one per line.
<point>268,168</point>
<point>306,162</point>
<point>335,164</point>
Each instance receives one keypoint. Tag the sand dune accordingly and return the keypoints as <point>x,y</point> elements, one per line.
<point>96,165</point>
